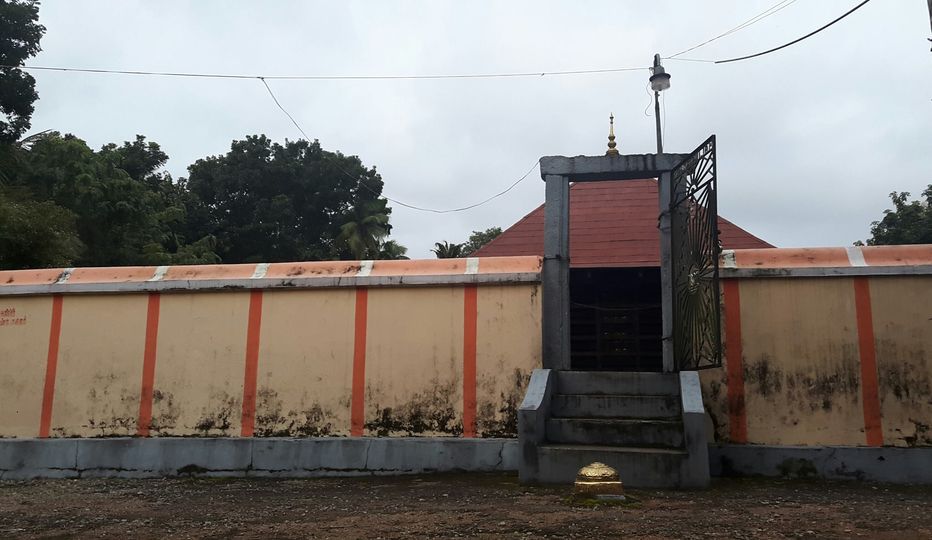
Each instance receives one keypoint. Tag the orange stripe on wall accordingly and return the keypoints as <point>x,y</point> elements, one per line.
<point>148,366</point>
<point>252,364</point>
<point>51,366</point>
<point>870,393</point>
<point>737,413</point>
<point>357,408</point>
<point>470,314</point>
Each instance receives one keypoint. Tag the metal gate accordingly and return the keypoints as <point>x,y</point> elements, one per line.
<point>697,341</point>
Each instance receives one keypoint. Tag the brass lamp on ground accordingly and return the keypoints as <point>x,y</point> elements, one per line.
<point>599,481</point>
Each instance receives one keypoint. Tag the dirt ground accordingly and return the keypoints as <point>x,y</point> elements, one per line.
<point>445,506</point>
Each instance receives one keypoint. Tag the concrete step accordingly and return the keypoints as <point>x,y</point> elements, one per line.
<point>616,432</point>
<point>615,406</point>
<point>637,467</point>
<point>617,383</point>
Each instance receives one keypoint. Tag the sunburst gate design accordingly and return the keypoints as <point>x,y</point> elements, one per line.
<point>697,341</point>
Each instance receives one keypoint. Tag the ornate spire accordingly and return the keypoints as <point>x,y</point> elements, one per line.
<point>611,137</point>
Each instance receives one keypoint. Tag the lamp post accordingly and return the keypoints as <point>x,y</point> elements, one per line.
<point>659,81</point>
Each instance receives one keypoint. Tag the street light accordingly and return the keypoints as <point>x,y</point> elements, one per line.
<point>659,81</point>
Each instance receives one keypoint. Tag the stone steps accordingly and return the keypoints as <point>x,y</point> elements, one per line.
<point>634,422</point>
<point>633,432</point>
<point>615,406</point>
<point>617,383</point>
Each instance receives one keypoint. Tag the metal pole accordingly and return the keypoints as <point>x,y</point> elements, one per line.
<point>657,119</point>
<point>930,15</point>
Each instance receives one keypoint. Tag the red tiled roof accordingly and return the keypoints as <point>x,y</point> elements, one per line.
<point>612,224</point>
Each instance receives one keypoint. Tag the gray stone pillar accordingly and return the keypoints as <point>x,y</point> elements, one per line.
<point>556,274</point>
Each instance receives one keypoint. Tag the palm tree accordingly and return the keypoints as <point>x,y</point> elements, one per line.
<point>446,250</point>
<point>391,249</point>
<point>365,229</point>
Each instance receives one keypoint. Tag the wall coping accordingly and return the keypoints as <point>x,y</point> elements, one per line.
<point>827,261</point>
<point>291,275</point>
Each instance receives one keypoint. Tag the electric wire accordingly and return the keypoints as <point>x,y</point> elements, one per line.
<point>692,60</point>
<point>451,210</point>
<point>757,18</point>
<point>661,98</point>
<point>785,45</point>
<point>331,77</point>
<point>275,99</point>
<point>650,100</point>
<point>360,182</point>
<point>263,78</point>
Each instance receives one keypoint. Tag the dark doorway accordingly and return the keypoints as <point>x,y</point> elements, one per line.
<point>615,319</point>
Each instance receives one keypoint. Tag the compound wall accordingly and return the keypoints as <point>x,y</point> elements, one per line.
<point>390,348</point>
<point>825,347</point>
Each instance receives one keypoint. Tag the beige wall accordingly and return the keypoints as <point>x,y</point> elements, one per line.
<point>97,388</point>
<point>802,364</point>
<point>24,343</point>
<point>508,350</point>
<point>305,363</point>
<point>414,359</point>
<point>198,387</point>
<point>414,362</point>
<point>801,361</point>
<point>902,310</point>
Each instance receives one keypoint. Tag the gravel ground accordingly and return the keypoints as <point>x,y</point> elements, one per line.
<point>467,505</point>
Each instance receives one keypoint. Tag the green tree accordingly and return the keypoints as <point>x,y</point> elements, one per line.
<point>446,250</point>
<point>139,159</point>
<point>199,252</point>
<point>168,242</point>
<point>909,222</point>
<point>116,215</point>
<point>391,249</point>
<point>20,34</point>
<point>33,234</point>
<point>124,210</point>
<point>363,232</point>
<point>265,201</point>
<point>480,238</point>
<point>36,234</point>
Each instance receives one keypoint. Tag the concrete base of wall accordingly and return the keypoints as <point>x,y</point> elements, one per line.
<point>896,465</point>
<point>314,457</point>
<point>272,457</point>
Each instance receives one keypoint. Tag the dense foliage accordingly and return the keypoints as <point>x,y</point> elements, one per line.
<point>62,203</point>
<point>909,222</point>
<point>110,207</point>
<point>264,201</point>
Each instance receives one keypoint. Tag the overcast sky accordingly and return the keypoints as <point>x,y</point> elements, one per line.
<point>811,139</point>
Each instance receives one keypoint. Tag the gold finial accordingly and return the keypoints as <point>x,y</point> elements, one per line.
<point>611,137</point>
